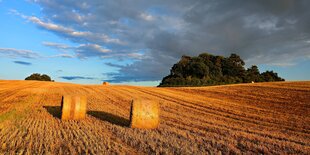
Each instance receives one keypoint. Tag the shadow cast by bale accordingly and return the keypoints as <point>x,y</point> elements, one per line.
<point>55,111</point>
<point>110,118</point>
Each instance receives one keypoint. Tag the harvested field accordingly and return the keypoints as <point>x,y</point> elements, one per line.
<point>271,118</point>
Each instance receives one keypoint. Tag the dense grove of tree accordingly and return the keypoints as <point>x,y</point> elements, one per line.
<point>207,69</point>
<point>38,77</point>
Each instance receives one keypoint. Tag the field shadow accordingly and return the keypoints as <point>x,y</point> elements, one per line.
<point>104,116</point>
<point>55,111</point>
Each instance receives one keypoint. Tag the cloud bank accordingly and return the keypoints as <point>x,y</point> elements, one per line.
<point>157,33</point>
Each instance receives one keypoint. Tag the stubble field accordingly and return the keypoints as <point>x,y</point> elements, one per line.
<point>269,118</point>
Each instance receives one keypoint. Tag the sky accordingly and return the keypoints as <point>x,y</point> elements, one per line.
<point>136,42</point>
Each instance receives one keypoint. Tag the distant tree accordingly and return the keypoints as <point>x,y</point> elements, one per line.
<point>45,77</point>
<point>252,74</point>
<point>233,66</point>
<point>269,76</point>
<point>207,69</point>
<point>38,77</point>
<point>214,65</point>
<point>197,68</point>
<point>179,69</point>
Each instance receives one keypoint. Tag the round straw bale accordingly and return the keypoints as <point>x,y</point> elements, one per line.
<point>73,107</point>
<point>144,114</point>
<point>106,83</point>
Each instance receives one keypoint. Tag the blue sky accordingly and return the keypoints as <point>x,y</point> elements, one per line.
<point>20,34</point>
<point>137,42</point>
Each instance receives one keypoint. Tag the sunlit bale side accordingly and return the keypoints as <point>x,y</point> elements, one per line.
<point>144,114</point>
<point>73,107</point>
<point>105,83</point>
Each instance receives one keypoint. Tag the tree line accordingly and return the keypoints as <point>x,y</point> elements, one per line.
<point>207,69</point>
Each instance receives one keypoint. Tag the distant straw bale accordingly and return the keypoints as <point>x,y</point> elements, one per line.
<point>73,107</point>
<point>106,83</point>
<point>144,114</point>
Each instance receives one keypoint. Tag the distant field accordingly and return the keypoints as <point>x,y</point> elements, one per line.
<point>272,118</point>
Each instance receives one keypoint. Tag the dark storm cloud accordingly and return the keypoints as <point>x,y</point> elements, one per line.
<point>76,78</point>
<point>261,31</point>
<point>23,63</point>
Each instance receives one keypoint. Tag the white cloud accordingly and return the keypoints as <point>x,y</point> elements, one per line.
<point>20,53</point>
<point>146,17</point>
<point>93,47</point>
<point>69,32</point>
<point>121,56</point>
<point>63,56</point>
<point>15,53</point>
<point>84,51</point>
<point>56,45</point>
